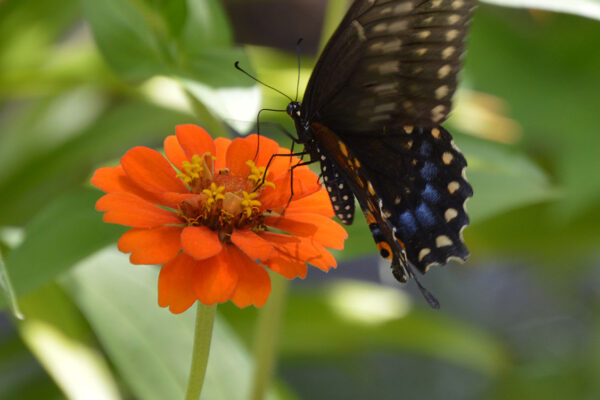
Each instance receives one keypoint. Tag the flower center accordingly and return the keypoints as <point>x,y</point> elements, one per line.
<point>224,201</point>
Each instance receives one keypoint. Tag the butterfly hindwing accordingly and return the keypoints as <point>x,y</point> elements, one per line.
<point>420,181</point>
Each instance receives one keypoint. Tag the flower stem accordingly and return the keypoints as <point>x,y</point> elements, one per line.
<point>265,341</point>
<point>205,317</point>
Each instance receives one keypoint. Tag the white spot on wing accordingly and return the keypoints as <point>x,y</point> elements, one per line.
<point>444,71</point>
<point>450,214</point>
<point>423,253</point>
<point>452,34</point>
<point>384,107</point>
<point>360,30</point>
<point>442,92</point>
<point>453,187</point>
<point>447,158</point>
<point>397,26</point>
<point>448,51</point>
<point>442,241</point>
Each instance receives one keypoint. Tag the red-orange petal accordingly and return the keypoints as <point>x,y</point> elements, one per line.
<point>252,244</point>
<point>317,203</point>
<point>151,246</point>
<point>221,145</point>
<point>200,242</point>
<point>287,267</point>
<point>175,289</point>
<point>130,210</point>
<point>242,150</point>
<point>215,278</point>
<point>300,249</point>
<point>151,171</point>
<point>194,140</point>
<point>254,284</point>
<point>305,184</point>
<point>114,179</point>
<point>174,151</point>
<point>321,229</point>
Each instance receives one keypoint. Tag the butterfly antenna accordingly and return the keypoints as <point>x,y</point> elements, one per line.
<point>299,64</point>
<point>237,66</point>
<point>431,300</point>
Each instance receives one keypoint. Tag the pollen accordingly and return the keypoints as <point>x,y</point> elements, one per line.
<point>257,175</point>
<point>249,203</point>
<point>195,173</point>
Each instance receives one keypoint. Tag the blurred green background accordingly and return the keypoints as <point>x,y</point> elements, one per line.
<point>83,81</point>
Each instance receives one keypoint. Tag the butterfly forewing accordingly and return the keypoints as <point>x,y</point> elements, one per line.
<point>393,63</point>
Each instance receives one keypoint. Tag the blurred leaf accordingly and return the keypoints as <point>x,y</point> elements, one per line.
<point>152,347</point>
<point>62,341</point>
<point>68,230</point>
<point>501,179</point>
<point>21,377</point>
<point>28,30</point>
<point>8,291</point>
<point>316,326</point>
<point>585,8</point>
<point>551,81</point>
<point>51,173</point>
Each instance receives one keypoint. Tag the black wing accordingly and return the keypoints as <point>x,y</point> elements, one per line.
<point>379,91</point>
<point>390,63</point>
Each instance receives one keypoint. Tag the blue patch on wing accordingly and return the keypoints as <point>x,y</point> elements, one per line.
<point>429,171</point>
<point>430,194</point>
<point>426,149</point>
<point>407,223</point>
<point>424,215</point>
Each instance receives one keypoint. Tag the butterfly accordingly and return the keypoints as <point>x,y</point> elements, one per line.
<point>371,116</point>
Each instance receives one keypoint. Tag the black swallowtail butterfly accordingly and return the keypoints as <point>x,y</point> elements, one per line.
<point>371,115</point>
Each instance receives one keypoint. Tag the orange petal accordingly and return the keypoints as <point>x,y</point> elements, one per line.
<point>151,171</point>
<point>174,151</point>
<point>254,285</point>
<point>300,248</point>
<point>151,246</point>
<point>194,140</point>
<point>317,203</point>
<point>114,179</point>
<point>242,150</point>
<point>252,244</point>
<point>305,184</point>
<point>282,164</point>
<point>221,144</point>
<point>175,288</point>
<point>321,229</point>
<point>287,267</point>
<point>130,210</point>
<point>200,242</point>
<point>215,278</point>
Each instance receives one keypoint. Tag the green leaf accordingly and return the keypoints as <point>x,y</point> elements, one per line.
<point>51,173</point>
<point>8,291</point>
<point>585,8</point>
<point>63,343</point>
<point>149,346</point>
<point>502,179</point>
<point>548,63</point>
<point>68,230</point>
<point>349,317</point>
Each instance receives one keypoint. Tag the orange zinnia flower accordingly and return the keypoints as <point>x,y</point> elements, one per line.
<point>218,216</point>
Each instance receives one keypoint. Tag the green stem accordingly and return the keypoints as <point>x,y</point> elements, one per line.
<point>265,341</point>
<point>205,317</point>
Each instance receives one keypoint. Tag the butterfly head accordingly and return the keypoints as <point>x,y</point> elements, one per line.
<point>294,109</point>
